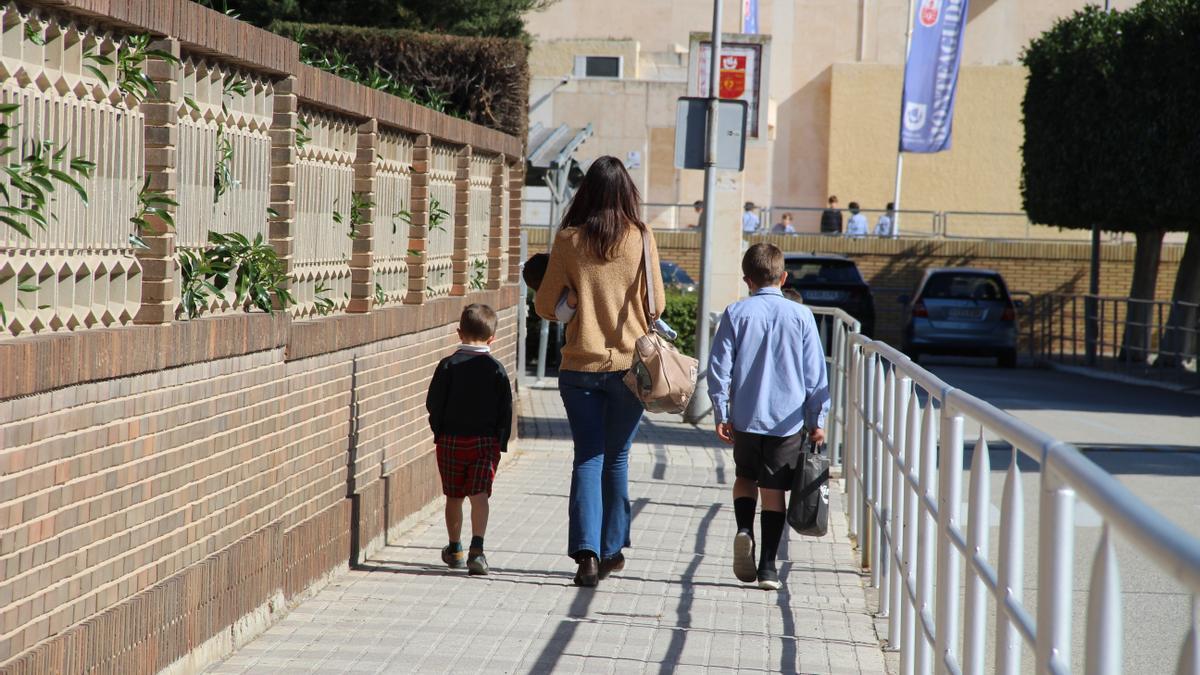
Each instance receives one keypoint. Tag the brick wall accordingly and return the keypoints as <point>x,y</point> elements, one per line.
<point>893,266</point>
<point>144,515</point>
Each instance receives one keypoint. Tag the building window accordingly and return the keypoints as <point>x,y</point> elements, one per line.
<point>598,66</point>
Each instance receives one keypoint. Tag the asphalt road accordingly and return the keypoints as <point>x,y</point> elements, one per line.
<point>1149,439</point>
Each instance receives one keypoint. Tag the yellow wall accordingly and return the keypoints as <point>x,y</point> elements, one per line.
<point>981,171</point>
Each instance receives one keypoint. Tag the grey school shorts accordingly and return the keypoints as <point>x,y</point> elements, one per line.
<point>768,460</point>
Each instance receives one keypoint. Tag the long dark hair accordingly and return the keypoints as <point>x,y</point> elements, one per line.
<point>606,204</point>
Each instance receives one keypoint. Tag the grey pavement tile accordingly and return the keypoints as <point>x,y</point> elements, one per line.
<point>675,608</point>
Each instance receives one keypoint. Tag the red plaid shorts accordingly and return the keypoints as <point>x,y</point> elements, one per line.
<point>467,464</point>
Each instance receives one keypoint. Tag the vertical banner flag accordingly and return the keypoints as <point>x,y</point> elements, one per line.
<point>931,75</point>
<point>750,16</point>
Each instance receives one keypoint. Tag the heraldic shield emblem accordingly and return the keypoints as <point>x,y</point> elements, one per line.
<point>733,76</point>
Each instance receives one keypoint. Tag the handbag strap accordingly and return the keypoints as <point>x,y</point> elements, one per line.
<point>651,314</point>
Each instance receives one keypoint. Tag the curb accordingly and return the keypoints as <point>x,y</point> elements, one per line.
<point>1118,377</point>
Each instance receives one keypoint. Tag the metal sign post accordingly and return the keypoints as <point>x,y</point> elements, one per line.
<point>699,404</point>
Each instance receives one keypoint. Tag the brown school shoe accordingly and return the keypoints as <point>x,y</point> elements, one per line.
<point>610,565</point>
<point>453,559</point>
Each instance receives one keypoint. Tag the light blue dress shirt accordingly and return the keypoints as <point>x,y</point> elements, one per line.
<point>767,373</point>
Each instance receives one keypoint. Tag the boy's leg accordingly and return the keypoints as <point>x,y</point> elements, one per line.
<point>450,470</point>
<point>746,459</point>
<point>452,554</point>
<point>773,520</point>
<point>482,474</point>
<point>479,516</point>
<point>780,456</point>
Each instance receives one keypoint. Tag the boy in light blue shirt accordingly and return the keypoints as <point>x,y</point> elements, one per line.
<point>769,388</point>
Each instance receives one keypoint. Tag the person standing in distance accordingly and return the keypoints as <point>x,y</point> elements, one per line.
<point>885,227</point>
<point>857,227</point>
<point>831,218</point>
<point>750,220</point>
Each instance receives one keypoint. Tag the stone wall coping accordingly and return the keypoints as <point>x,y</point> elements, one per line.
<point>40,363</point>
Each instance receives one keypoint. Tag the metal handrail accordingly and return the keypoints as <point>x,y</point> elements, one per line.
<point>839,326</point>
<point>904,478</point>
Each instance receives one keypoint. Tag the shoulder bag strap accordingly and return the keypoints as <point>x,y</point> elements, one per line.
<point>651,307</point>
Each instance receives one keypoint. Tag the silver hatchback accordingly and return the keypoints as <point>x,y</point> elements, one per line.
<point>961,311</point>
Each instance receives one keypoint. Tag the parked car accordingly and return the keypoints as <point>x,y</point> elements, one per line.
<point>961,311</point>
<point>676,277</point>
<point>831,281</point>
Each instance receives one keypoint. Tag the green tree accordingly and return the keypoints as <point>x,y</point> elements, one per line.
<point>477,18</point>
<point>1110,141</point>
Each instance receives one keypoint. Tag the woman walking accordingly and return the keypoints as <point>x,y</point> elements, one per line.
<point>598,255</point>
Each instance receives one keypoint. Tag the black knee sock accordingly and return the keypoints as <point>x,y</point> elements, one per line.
<point>743,512</point>
<point>477,543</point>
<point>772,533</point>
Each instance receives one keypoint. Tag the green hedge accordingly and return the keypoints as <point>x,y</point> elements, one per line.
<point>680,314</point>
<point>484,80</point>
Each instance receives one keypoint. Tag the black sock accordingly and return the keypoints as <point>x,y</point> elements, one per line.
<point>477,543</point>
<point>455,546</point>
<point>772,533</point>
<point>743,512</point>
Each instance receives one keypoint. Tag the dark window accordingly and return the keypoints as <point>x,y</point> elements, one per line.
<point>964,287</point>
<point>602,66</point>
<point>822,271</point>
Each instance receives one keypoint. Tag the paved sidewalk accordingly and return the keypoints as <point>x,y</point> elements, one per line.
<point>675,608</point>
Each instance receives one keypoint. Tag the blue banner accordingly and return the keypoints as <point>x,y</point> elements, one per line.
<point>750,16</point>
<point>931,75</point>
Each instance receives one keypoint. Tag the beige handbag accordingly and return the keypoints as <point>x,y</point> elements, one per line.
<point>661,378</point>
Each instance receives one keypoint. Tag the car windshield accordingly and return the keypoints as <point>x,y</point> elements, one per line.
<point>822,271</point>
<point>964,287</point>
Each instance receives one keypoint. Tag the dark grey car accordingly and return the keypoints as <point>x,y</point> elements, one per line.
<point>961,311</point>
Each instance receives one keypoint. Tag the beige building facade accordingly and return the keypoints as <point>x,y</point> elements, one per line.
<point>831,95</point>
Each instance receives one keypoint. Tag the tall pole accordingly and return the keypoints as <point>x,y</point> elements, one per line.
<point>552,230</point>
<point>1091,308</point>
<point>698,406</point>
<point>908,23</point>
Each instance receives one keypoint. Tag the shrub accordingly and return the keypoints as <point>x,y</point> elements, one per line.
<point>680,314</point>
<point>483,80</point>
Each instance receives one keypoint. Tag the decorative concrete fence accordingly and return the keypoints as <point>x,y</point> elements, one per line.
<point>169,486</point>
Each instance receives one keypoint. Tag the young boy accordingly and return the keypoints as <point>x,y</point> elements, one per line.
<point>470,411</point>
<point>767,382</point>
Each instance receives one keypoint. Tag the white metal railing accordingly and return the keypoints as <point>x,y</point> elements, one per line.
<point>904,510</point>
<point>835,327</point>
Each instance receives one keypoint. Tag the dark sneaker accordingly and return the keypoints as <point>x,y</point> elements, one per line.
<point>613,564</point>
<point>744,566</point>
<point>477,563</point>
<point>589,572</point>
<point>453,559</point>
<point>768,580</point>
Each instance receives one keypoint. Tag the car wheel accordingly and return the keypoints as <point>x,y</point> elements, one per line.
<point>1007,359</point>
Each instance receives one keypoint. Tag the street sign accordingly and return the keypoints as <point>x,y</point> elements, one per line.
<point>691,119</point>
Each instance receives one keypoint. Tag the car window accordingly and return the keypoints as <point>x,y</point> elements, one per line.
<point>964,287</point>
<point>822,271</point>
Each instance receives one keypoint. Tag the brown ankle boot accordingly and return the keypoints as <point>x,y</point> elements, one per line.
<point>589,571</point>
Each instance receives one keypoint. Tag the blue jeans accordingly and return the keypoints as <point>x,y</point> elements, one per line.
<point>604,417</point>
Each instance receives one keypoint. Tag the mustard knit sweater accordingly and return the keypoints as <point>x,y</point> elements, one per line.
<point>611,314</point>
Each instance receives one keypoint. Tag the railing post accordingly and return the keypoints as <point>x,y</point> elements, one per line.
<point>1104,635</point>
<point>1056,544</point>
<point>902,389</point>
<point>461,258</point>
<point>833,433</point>
<point>496,235</point>
<point>161,135</point>
<point>912,515</point>
<point>870,480</point>
<point>887,534</point>
<point>516,184</point>
<point>851,466</point>
<point>283,173</point>
<point>1010,572</point>
<point>949,494</point>
<point>362,220</point>
<point>927,533</point>
<point>979,504</point>
<point>866,520</point>
<point>418,233</point>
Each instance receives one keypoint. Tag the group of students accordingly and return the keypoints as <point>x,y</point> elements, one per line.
<point>831,220</point>
<point>766,378</point>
